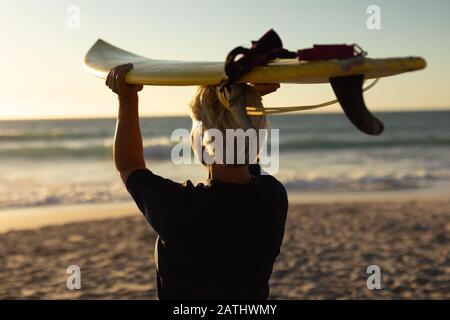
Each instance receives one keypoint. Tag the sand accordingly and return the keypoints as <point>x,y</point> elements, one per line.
<point>326,251</point>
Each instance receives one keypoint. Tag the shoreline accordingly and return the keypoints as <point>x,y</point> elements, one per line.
<point>16,219</point>
<point>38,217</point>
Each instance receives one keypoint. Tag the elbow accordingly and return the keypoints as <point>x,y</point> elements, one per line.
<point>124,173</point>
<point>120,166</point>
<point>123,162</point>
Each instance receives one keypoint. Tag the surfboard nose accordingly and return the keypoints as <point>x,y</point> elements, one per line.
<point>349,93</point>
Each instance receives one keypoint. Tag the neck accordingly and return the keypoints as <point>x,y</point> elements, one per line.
<point>230,174</point>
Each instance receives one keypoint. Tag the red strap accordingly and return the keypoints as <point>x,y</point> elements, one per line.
<point>327,52</point>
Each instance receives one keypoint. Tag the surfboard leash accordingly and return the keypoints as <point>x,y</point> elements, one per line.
<point>256,111</point>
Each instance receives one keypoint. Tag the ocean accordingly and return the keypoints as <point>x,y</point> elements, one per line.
<point>54,162</point>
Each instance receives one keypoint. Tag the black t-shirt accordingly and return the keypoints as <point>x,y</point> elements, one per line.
<point>216,241</point>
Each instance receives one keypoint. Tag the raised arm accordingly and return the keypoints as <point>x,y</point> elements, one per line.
<point>128,149</point>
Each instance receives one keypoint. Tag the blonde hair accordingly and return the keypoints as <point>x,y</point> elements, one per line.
<point>207,107</point>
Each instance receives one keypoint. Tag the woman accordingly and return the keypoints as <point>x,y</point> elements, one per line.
<point>215,241</point>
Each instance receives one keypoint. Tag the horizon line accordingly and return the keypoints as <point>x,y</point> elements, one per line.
<point>105,117</point>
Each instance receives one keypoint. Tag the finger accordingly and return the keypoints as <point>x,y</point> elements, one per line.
<point>271,86</point>
<point>126,67</point>
<point>108,78</point>
<point>123,70</point>
<point>136,87</point>
<point>112,78</point>
<point>110,81</point>
<point>120,76</point>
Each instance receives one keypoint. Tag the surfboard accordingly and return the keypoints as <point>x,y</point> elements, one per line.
<point>103,56</point>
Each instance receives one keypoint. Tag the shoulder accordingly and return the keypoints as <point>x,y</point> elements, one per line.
<point>144,181</point>
<point>273,186</point>
<point>270,181</point>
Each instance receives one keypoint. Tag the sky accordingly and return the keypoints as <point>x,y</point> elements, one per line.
<point>43,77</point>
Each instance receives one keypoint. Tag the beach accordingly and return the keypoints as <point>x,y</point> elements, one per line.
<point>327,248</point>
<point>355,201</point>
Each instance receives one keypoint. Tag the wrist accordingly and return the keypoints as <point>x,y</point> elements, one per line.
<point>127,98</point>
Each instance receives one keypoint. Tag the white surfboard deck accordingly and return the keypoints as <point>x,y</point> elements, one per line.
<point>102,57</point>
